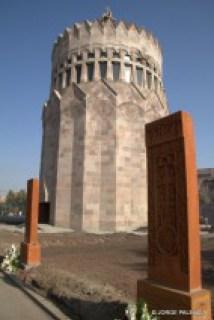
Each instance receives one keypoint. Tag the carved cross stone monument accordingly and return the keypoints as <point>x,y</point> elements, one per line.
<point>173,288</point>
<point>30,248</point>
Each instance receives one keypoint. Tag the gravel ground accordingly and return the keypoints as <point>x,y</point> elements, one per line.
<point>118,260</point>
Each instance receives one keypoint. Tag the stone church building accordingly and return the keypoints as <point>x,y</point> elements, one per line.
<point>106,84</point>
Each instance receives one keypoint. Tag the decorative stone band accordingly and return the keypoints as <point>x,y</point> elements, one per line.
<point>110,64</point>
<point>102,32</point>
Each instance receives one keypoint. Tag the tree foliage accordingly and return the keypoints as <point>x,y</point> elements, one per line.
<point>14,202</point>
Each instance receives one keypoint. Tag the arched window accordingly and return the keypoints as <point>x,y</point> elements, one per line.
<point>90,71</point>
<point>103,70</point>
<point>116,70</point>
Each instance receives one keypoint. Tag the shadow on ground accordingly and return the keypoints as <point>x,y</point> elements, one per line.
<point>77,309</point>
<point>6,279</point>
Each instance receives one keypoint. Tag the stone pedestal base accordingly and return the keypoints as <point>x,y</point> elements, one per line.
<point>30,254</point>
<point>174,304</point>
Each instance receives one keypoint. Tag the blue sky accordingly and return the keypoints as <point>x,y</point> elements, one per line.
<point>28,28</point>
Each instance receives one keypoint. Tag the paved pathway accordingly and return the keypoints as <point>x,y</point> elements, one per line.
<point>42,228</point>
<point>16,305</point>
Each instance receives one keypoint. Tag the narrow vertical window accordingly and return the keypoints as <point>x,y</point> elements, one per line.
<point>90,71</point>
<point>103,70</point>
<point>91,55</point>
<point>103,54</point>
<point>127,58</point>
<point>54,82</point>
<point>156,83</point>
<point>149,79</point>
<point>78,72</point>
<point>139,76</point>
<point>79,57</point>
<point>68,77</point>
<point>116,71</point>
<point>60,81</point>
<point>116,54</point>
<point>128,72</point>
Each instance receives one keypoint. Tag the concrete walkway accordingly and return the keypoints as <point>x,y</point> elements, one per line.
<point>42,228</point>
<point>16,305</point>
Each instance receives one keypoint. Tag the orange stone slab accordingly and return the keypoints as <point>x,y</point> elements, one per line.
<point>168,303</point>
<point>30,248</point>
<point>174,261</point>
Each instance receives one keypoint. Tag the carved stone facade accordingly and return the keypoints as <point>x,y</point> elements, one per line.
<point>106,85</point>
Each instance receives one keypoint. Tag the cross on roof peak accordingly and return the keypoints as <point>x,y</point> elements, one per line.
<point>107,15</point>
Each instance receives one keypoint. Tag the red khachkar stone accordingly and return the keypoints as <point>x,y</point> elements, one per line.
<point>30,248</point>
<point>174,260</point>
